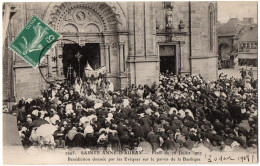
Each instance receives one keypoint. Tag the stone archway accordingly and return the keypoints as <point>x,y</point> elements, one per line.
<point>102,23</point>
<point>110,12</point>
<point>224,51</point>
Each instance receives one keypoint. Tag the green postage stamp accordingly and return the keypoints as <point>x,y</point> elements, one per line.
<point>34,41</point>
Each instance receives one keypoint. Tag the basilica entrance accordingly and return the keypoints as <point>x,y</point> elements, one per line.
<point>95,30</point>
<point>90,54</point>
<point>167,58</point>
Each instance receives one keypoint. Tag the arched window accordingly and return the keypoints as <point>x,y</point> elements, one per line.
<point>211,25</point>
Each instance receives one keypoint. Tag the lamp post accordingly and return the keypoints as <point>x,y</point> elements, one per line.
<point>78,56</point>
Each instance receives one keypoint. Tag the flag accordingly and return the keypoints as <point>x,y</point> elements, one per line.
<point>88,67</point>
<point>89,71</point>
<point>102,70</point>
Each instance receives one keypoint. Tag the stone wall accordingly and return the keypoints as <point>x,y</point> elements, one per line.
<point>29,83</point>
<point>142,46</point>
<point>202,58</point>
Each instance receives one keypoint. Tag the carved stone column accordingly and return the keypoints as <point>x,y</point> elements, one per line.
<point>181,56</point>
<point>107,57</point>
<point>121,58</point>
<point>102,54</point>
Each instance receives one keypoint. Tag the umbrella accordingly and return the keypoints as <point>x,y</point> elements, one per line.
<point>45,130</point>
<point>146,147</point>
<point>38,123</point>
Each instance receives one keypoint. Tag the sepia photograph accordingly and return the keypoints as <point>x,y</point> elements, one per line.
<point>137,82</point>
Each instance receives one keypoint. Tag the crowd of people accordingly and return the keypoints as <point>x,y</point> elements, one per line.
<point>178,113</point>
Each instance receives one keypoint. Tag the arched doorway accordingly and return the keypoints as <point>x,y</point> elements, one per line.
<point>224,51</point>
<point>90,55</point>
<point>99,30</point>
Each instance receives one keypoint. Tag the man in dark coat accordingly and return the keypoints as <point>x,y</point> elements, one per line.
<point>138,130</point>
<point>218,126</point>
<point>236,112</point>
<point>124,139</point>
<point>146,122</point>
<point>114,141</point>
<point>243,73</point>
<point>168,144</point>
<point>153,139</point>
<point>189,144</point>
<point>90,141</point>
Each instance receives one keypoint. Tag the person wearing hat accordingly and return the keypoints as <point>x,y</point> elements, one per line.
<point>218,126</point>
<point>138,130</point>
<point>153,139</point>
<point>146,123</point>
<point>90,140</point>
<point>189,144</point>
<point>114,141</point>
<point>193,135</point>
<point>125,138</point>
<point>169,143</point>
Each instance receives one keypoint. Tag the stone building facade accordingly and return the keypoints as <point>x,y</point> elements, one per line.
<point>134,40</point>
<point>239,39</point>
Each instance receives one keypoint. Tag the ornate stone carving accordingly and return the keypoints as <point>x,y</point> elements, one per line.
<point>139,51</point>
<point>70,28</point>
<point>114,47</point>
<point>178,38</point>
<point>92,28</point>
<point>160,38</point>
<point>58,12</point>
<point>149,52</point>
<point>110,39</point>
<point>174,38</point>
<point>181,25</point>
<point>123,39</point>
<point>90,40</point>
<point>80,16</point>
<point>69,17</point>
<point>169,18</point>
<point>169,5</point>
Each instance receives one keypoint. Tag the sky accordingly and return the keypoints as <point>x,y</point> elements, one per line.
<point>236,9</point>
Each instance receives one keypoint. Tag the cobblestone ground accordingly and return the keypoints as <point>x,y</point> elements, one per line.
<point>234,73</point>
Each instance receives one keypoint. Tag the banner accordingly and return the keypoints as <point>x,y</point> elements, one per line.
<point>89,72</point>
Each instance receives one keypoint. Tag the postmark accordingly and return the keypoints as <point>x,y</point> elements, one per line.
<point>32,39</point>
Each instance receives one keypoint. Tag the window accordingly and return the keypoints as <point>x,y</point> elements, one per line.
<point>247,45</point>
<point>240,45</point>
<point>244,45</point>
<point>211,24</point>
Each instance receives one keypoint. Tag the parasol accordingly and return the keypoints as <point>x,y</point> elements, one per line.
<point>45,130</point>
<point>146,147</point>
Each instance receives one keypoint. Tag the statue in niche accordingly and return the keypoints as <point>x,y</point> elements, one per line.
<point>169,5</point>
<point>169,21</point>
<point>169,16</point>
<point>181,25</point>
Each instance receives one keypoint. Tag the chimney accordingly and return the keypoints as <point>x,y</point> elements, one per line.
<point>247,20</point>
<point>251,20</point>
